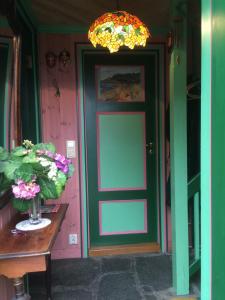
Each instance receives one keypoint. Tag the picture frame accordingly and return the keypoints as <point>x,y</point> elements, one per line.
<point>120,83</point>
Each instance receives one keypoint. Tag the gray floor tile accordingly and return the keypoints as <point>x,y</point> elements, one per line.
<point>112,264</point>
<point>118,287</point>
<point>155,271</point>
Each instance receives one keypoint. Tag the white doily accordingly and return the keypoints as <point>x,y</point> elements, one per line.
<point>26,226</point>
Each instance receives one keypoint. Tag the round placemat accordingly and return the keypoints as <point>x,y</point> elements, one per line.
<point>26,226</point>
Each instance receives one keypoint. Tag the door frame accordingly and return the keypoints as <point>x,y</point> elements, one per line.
<point>80,49</point>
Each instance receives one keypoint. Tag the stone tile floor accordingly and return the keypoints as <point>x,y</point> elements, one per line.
<point>133,277</point>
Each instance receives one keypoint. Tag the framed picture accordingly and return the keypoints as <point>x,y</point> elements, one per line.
<point>120,83</point>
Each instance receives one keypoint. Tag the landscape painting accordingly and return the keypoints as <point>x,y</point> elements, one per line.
<point>120,83</point>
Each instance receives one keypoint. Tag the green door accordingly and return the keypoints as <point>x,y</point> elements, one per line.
<point>120,116</point>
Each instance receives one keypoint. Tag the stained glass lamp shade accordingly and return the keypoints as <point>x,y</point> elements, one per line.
<point>115,29</point>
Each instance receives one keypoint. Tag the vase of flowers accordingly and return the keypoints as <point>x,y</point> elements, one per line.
<point>35,211</point>
<point>34,173</point>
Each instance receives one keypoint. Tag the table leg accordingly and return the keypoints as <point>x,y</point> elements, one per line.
<point>19,289</point>
<point>48,280</point>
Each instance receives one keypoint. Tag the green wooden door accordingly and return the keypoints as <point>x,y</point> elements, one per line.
<point>120,116</point>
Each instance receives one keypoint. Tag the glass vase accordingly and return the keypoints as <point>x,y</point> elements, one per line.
<point>35,211</point>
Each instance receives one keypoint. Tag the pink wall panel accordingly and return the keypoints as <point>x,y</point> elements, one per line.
<point>6,287</point>
<point>60,123</point>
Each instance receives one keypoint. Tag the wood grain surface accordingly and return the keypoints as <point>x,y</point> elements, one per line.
<point>30,243</point>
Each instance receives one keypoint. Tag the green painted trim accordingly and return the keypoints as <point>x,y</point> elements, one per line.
<point>6,46</point>
<point>80,48</point>
<point>7,100</point>
<point>217,148</point>
<point>36,94</point>
<point>162,159</point>
<point>25,11</point>
<point>206,210</point>
<point>83,155</point>
<point>193,186</point>
<point>194,267</point>
<point>179,194</point>
<point>196,226</point>
<point>178,142</point>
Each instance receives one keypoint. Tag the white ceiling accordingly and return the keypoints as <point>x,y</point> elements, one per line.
<point>82,13</point>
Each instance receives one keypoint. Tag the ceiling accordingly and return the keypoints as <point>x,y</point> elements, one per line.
<point>82,13</point>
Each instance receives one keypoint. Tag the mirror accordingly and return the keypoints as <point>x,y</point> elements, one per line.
<point>10,121</point>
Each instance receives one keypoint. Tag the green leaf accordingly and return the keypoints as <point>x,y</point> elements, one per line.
<point>30,158</point>
<point>121,37</point>
<point>21,204</point>
<point>126,28</point>
<point>61,178</point>
<point>48,188</point>
<point>109,29</point>
<point>2,166</point>
<point>59,188</point>
<point>24,172</point>
<point>5,183</point>
<point>19,151</point>
<point>43,146</point>
<point>60,183</point>
<point>3,154</point>
<point>99,30</point>
<point>137,31</point>
<point>39,168</point>
<point>71,170</point>
<point>10,168</point>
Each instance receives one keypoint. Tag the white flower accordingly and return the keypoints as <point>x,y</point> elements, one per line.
<point>44,162</point>
<point>53,171</point>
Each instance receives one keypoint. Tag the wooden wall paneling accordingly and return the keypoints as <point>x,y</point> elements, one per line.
<point>59,124</point>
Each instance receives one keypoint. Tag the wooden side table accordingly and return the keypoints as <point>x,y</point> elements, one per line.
<point>27,251</point>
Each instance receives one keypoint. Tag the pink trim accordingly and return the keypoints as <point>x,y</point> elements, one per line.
<point>128,231</point>
<point>98,152</point>
<point>142,67</point>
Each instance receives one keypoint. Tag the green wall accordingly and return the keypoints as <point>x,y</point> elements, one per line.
<point>218,150</point>
<point>212,150</point>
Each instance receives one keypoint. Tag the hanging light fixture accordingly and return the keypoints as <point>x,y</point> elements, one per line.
<point>116,29</point>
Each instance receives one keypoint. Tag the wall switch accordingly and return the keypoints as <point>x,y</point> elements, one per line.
<point>70,149</point>
<point>73,239</point>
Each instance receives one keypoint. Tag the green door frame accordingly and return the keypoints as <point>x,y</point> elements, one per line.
<point>79,49</point>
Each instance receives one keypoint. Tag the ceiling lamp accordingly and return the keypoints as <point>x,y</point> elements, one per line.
<point>115,29</point>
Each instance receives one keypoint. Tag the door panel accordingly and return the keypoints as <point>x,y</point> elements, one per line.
<point>121,145</point>
<point>121,162</point>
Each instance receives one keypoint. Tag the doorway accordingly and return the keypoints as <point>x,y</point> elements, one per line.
<point>121,93</point>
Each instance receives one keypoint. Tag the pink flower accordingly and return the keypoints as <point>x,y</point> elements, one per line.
<point>62,163</point>
<point>25,190</point>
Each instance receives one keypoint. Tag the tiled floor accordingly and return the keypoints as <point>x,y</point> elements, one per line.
<point>134,277</point>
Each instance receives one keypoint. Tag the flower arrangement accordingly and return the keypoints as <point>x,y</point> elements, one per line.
<point>33,171</point>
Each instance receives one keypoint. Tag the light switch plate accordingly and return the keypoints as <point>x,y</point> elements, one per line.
<point>71,149</point>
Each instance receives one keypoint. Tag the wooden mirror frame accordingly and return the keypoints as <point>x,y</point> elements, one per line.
<point>8,10</point>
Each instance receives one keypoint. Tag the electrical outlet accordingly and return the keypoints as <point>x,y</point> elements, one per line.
<point>72,239</point>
